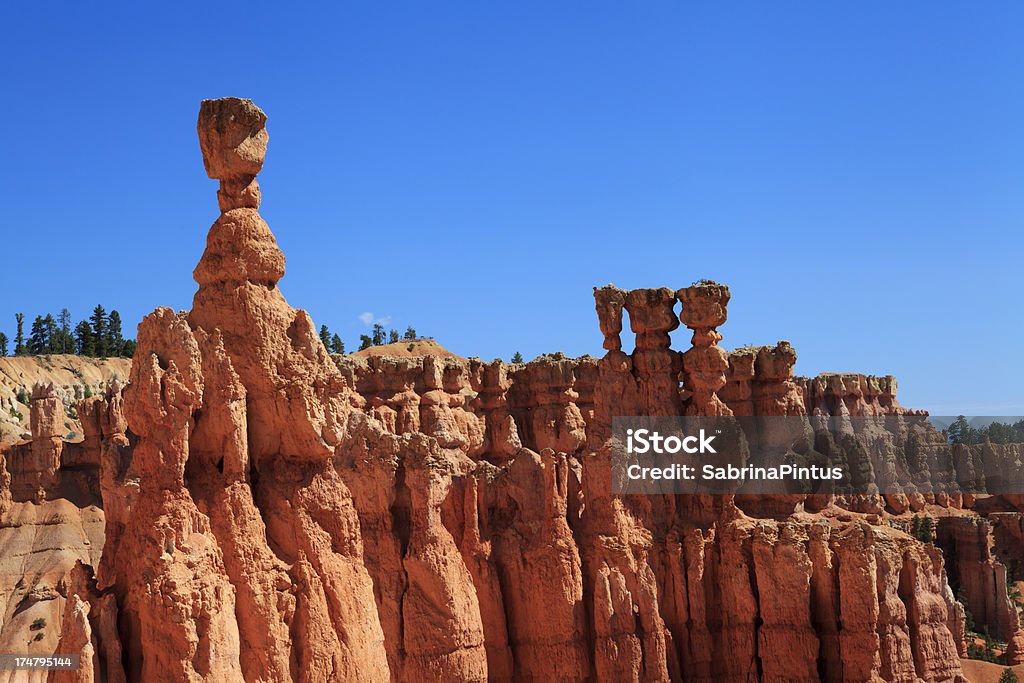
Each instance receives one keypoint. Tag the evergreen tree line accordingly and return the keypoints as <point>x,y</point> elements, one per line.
<point>99,336</point>
<point>378,337</point>
<point>960,432</point>
<point>331,341</point>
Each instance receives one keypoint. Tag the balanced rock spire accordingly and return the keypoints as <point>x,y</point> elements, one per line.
<point>233,137</point>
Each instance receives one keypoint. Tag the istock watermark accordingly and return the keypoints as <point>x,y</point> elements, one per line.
<point>645,441</point>
<point>905,454</point>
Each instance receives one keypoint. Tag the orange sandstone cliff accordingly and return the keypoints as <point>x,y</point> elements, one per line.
<point>273,513</point>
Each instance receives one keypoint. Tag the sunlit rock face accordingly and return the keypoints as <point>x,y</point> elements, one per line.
<point>274,513</point>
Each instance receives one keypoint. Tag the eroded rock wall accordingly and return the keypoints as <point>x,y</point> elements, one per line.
<point>276,514</point>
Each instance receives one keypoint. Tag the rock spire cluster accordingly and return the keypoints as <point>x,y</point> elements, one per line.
<point>276,514</point>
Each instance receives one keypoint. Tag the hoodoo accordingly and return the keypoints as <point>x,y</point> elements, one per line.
<point>277,514</point>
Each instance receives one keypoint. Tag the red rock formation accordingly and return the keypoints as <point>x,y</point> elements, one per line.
<point>425,394</point>
<point>981,579</point>
<point>774,392</point>
<point>539,568</point>
<point>760,382</point>
<point>788,644</point>
<point>543,400</point>
<point>76,637</point>
<point>442,626</point>
<point>169,574</point>
<point>618,395</point>
<point>655,364</point>
<point>501,439</point>
<point>242,385</point>
<point>102,419</point>
<point>853,394</point>
<point>71,376</point>
<point>738,392</point>
<point>47,443</point>
<point>89,628</point>
<point>704,365</point>
<point>5,485</point>
<point>274,514</point>
<point>49,519</point>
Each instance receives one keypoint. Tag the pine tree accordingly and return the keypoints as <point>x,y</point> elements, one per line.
<point>337,346</point>
<point>99,331</point>
<point>378,334</point>
<point>115,340</point>
<point>325,336</point>
<point>37,341</point>
<point>19,338</point>
<point>960,431</point>
<point>84,344</point>
<point>50,332</point>
<point>926,530</point>
<point>365,342</point>
<point>3,344</point>
<point>393,337</point>
<point>65,341</point>
<point>922,528</point>
<point>517,357</point>
<point>128,350</point>
<point>1008,676</point>
<point>410,334</point>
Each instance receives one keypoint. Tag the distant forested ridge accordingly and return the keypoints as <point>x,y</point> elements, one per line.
<point>961,432</point>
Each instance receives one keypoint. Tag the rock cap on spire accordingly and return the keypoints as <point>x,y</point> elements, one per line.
<point>233,137</point>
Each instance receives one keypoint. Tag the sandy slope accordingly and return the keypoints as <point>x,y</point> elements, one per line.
<point>70,374</point>
<point>402,349</point>
<point>39,544</point>
<point>986,672</point>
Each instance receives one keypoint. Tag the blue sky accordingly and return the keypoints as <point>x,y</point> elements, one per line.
<point>854,172</point>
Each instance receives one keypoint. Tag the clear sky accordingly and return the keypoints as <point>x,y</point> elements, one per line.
<point>854,171</point>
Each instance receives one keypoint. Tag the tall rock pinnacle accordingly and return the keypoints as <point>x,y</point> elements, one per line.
<point>240,247</point>
<point>236,402</point>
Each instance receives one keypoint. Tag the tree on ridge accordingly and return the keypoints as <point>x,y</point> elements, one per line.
<point>19,338</point>
<point>99,331</point>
